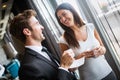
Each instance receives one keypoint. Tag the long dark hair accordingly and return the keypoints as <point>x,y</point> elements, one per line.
<point>69,33</point>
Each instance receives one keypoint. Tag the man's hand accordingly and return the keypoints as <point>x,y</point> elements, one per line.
<point>67,59</point>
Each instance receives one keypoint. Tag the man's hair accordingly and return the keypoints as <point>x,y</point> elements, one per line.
<point>20,22</point>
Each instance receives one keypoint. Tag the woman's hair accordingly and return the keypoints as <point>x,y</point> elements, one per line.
<point>69,33</point>
<point>20,22</point>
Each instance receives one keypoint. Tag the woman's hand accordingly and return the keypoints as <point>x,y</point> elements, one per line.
<point>89,54</point>
<point>80,56</point>
<point>92,53</point>
<point>99,51</point>
<point>86,54</point>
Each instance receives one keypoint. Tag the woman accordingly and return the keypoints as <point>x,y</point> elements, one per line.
<point>85,41</point>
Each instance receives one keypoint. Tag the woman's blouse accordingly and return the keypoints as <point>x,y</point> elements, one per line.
<point>93,68</point>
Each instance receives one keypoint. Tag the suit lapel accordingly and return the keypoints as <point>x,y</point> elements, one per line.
<point>50,55</point>
<point>39,56</point>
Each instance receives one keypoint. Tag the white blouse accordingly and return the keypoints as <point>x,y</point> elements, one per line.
<point>93,68</point>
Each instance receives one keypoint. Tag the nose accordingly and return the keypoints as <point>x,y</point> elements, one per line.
<point>42,27</point>
<point>63,19</point>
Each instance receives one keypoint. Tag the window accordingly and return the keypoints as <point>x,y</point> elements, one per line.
<point>107,13</point>
<point>46,10</point>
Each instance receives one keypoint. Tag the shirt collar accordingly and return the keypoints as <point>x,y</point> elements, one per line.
<point>35,48</point>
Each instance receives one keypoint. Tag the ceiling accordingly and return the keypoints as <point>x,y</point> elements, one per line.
<point>7,8</point>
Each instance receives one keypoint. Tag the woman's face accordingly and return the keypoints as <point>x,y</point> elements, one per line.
<point>66,17</point>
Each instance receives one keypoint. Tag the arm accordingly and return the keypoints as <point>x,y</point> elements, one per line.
<point>66,61</point>
<point>64,75</point>
<point>101,49</point>
<point>63,47</point>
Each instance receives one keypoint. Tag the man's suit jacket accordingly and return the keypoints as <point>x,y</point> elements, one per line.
<point>36,67</point>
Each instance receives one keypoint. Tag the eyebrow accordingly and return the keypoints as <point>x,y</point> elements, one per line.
<point>62,14</point>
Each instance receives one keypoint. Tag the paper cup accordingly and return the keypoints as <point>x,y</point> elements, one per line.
<point>70,51</point>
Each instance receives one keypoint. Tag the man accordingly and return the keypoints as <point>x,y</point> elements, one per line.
<point>36,63</point>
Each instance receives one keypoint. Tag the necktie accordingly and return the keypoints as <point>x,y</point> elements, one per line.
<point>44,49</point>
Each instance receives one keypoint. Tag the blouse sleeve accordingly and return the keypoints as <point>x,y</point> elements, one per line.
<point>91,26</point>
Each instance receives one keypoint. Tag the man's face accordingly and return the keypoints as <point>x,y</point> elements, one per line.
<point>36,32</point>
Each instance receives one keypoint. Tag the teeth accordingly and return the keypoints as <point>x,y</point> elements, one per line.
<point>66,22</point>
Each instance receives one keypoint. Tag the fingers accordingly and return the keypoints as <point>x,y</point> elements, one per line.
<point>67,59</point>
<point>99,51</point>
<point>89,54</point>
<point>96,53</point>
<point>80,56</point>
<point>70,52</point>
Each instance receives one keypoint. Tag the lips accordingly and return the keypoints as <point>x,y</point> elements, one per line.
<point>66,22</point>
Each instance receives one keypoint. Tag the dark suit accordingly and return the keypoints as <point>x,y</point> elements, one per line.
<point>36,67</point>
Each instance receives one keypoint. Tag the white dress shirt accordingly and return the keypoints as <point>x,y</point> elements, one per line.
<point>39,50</point>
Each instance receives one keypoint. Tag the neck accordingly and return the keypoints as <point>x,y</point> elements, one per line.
<point>75,28</point>
<point>80,29</point>
<point>32,43</point>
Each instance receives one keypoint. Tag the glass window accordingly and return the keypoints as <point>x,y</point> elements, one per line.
<point>46,10</point>
<point>107,13</point>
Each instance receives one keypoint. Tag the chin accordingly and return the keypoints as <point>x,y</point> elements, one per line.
<point>43,38</point>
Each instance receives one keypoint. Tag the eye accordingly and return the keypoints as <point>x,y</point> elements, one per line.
<point>59,17</point>
<point>37,23</point>
<point>64,14</point>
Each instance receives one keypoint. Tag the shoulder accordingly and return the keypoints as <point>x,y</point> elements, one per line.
<point>90,26</point>
<point>62,40</point>
<point>62,37</point>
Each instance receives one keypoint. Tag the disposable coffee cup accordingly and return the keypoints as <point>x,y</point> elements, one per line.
<point>70,51</point>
